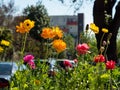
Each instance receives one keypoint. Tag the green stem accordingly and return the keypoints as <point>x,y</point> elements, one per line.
<point>22,51</point>
<point>106,49</point>
<point>101,39</point>
<point>115,83</point>
<point>47,49</point>
<point>83,57</point>
<point>57,55</point>
<point>107,45</point>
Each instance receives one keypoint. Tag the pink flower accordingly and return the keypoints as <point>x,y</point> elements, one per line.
<point>28,58</point>
<point>67,63</point>
<point>99,58</point>
<point>110,64</point>
<point>31,64</point>
<point>75,60</point>
<point>82,48</point>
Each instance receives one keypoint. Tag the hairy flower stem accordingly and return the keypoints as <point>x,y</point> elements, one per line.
<point>108,39</point>
<point>102,39</point>
<point>47,47</point>
<point>22,53</point>
<point>23,48</point>
<point>105,49</point>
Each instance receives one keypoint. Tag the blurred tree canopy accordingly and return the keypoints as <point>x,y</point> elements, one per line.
<point>6,13</point>
<point>37,13</point>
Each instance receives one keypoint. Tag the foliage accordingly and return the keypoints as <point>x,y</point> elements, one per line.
<point>33,46</point>
<point>70,46</point>
<point>88,73</point>
<point>84,76</point>
<point>6,44</point>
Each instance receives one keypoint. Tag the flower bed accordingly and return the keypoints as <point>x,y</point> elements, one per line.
<point>87,71</point>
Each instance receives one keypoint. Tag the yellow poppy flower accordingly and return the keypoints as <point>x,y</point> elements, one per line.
<point>1,49</point>
<point>94,28</point>
<point>104,30</point>
<point>47,33</point>
<point>4,42</point>
<point>28,24</point>
<point>25,26</point>
<point>20,28</point>
<point>58,32</point>
<point>59,45</point>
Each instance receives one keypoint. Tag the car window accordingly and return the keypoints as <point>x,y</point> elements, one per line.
<point>5,69</point>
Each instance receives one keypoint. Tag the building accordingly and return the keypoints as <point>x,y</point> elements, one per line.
<point>69,24</point>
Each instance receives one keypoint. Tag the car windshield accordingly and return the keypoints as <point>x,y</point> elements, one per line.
<point>5,69</point>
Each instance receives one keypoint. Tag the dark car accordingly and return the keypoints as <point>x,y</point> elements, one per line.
<point>7,70</point>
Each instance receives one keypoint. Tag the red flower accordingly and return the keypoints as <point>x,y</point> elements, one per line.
<point>99,58</point>
<point>110,64</point>
<point>82,48</point>
<point>67,63</point>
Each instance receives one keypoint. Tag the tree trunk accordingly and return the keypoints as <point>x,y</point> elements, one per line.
<point>100,10</point>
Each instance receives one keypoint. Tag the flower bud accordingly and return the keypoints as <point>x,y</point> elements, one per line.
<point>102,49</point>
<point>104,43</point>
<point>108,42</point>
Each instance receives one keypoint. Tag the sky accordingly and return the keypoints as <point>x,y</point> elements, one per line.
<point>55,7</point>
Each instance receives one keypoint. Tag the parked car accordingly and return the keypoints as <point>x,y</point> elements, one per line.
<point>55,65</point>
<point>7,70</point>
